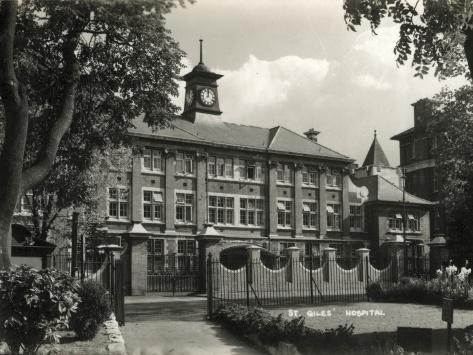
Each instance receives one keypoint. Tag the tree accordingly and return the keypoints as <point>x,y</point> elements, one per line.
<point>434,33</point>
<point>451,120</point>
<point>75,74</point>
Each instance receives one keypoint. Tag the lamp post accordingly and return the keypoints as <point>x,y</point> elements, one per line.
<point>403,177</point>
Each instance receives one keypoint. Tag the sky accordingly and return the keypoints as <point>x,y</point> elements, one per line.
<point>294,63</point>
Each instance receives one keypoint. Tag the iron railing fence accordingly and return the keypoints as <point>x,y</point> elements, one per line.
<point>304,280</point>
<point>173,273</point>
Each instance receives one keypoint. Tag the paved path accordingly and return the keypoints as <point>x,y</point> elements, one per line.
<point>158,325</point>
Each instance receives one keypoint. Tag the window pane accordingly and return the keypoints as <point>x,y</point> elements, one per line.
<point>229,217</point>
<point>147,196</point>
<point>147,211</point>
<point>251,217</point>
<point>221,201</point>
<point>188,214</point>
<point>243,203</point>
<point>189,199</point>
<point>113,209</point>
<point>259,218</point>
<point>180,213</point>
<point>212,215</point>
<point>212,201</point>
<point>124,194</point>
<point>147,159</point>
<point>243,217</point>
<point>123,209</point>
<point>229,202</point>
<point>221,216</point>
<point>112,194</point>
<point>180,198</point>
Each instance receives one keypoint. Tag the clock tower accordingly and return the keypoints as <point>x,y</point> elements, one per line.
<point>201,91</point>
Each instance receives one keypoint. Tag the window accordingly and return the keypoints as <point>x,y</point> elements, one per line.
<point>311,249</point>
<point>118,203</point>
<point>413,223</point>
<point>333,216</point>
<point>152,160</point>
<point>184,203</point>
<point>251,211</point>
<point>184,163</point>
<point>395,222</point>
<point>356,220</point>
<point>212,171</point>
<point>186,247</point>
<point>156,261</point>
<point>153,205</point>
<point>221,167</point>
<point>251,170</point>
<point>284,173</point>
<point>283,246</point>
<point>221,210</point>
<point>310,215</point>
<point>310,176</point>
<point>334,178</point>
<point>285,213</point>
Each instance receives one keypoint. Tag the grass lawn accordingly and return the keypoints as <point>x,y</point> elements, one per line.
<point>383,323</point>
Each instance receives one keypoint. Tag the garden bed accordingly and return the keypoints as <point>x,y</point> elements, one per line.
<point>278,335</point>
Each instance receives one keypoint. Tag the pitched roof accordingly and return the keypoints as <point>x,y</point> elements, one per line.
<point>382,190</point>
<point>213,130</point>
<point>402,134</point>
<point>376,156</point>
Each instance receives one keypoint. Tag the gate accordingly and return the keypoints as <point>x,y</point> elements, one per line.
<point>173,273</point>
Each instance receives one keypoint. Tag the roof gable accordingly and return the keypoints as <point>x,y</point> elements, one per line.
<point>376,156</point>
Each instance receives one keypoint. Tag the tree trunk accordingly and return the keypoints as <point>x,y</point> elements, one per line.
<point>16,127</point>
<point>468,47</point>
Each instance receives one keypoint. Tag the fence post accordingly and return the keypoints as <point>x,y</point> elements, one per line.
<point>293,258</point>
<point>363,264</point>
<point>330,264</point>
<point>209,287</point>
<point>311,266</point>
<point>252,259</point>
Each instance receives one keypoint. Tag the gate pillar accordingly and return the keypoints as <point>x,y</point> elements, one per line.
<point>137,239</point>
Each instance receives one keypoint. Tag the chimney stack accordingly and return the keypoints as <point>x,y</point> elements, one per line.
<point>312,134</point>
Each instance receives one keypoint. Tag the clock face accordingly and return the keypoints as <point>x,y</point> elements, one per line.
<point>189,97</point>
<point>207,96</point>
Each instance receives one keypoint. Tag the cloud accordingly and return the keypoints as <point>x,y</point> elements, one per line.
<point>260,83</point>
<point>370,82</point>
<point>379,48</point>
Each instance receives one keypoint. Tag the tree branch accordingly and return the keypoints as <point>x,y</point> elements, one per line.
<point>468,47</point>
<point>42,166</point>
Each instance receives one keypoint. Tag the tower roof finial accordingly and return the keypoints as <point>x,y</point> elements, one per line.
<point>201,62</point>
<point>375,133</point>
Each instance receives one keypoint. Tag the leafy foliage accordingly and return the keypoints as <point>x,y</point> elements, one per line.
<point>447,284</point>
<point>33,305</point>
<point>272,330</point>
<point>93,310</point>
<point>433,33</point>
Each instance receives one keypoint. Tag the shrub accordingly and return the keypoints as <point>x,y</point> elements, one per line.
<point>33,305</point>
<point>93,310</point>
<point>448,283</point>
<point>272,330</point>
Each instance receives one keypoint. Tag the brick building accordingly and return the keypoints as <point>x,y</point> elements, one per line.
<point>417,158</point>
<point>383,204</point>
<point>264,186</point>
